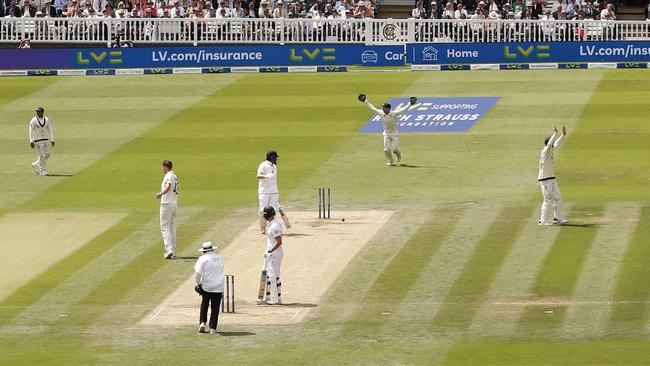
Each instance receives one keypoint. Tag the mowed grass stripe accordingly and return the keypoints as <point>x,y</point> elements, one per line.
<point>426,296</point>
<point>470,288</point>
<point>115,286</point>
<point>28,294</point>
<point>226,225</point>
<point>499,313</point>
<point>345,296</point>
<point>589,311</point>
<point>113,112</point>
<point>557,279</point>
<point>15,88</point>
<point>632,296</point>
<point>60,299</point>
<point>404,269</point>
<point>553,352</point>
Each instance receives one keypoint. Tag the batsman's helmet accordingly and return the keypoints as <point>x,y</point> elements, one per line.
<point>272,155</point>
<point>386,105</point>
<point>268,211</point>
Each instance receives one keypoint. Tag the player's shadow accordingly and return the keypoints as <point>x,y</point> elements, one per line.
<point>188,257</point>
<point>236,334</point>
<point>296,235</point>
<point>410,166</point>
<point>584,226</point>
<point>299,305</point>
<point>59,175</point>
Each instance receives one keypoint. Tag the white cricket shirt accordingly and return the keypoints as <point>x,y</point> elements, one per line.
<point>40,129</point>
<point>270,183</point>
<point>172,195</point>
<point>388,120</point>
<point>210,267</point>
<point>547,159</point>
<point>273,230</point>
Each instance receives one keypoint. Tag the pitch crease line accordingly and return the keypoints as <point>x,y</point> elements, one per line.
<point>157,313</point>
<point>296,314</point>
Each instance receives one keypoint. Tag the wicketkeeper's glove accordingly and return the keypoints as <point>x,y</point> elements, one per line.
<point>362,97</point>
<point>413,100</point>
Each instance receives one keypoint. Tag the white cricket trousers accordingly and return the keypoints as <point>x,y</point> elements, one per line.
<point>552,197</point>
<point>44,149</point>
<point>391,143</point>
<point>273,283</point>
<point>168,226</point>
<point>269,199</point>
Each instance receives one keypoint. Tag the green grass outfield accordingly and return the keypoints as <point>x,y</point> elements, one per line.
<point>460,274</point>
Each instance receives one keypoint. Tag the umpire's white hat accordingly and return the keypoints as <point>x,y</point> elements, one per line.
<point>207,247</point>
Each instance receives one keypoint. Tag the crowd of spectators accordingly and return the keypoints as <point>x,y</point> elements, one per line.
<point>272,9</point>
<point>91,27</point>
<point>517,9</point>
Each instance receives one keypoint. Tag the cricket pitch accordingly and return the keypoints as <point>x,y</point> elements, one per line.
<point>315,252</point>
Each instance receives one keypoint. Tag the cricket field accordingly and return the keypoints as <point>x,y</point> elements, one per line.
<point>447,265</point>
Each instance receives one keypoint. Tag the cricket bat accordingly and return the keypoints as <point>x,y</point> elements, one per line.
<point>263,278</point>
<point>285,219</point>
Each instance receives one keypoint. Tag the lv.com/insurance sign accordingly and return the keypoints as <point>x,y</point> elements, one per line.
<point>435,114</point>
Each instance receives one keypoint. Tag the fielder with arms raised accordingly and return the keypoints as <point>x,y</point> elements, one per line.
<point>389,119</point>
<point>268,193</point>
<point>41,137</point>
<point>547,181</point>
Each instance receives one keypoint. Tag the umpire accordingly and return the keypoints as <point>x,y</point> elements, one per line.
<point>209,284</point>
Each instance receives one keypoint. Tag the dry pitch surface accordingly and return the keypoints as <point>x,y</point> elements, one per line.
<point>316,251</point>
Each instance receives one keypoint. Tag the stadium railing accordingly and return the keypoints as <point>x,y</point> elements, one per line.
<point>274,31</point>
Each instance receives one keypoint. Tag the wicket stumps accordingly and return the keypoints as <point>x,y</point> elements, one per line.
<point>324,203</point>
<point>228,301</point>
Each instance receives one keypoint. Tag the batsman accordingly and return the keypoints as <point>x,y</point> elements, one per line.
<point>270,285</point>
<point>267,176</point>
<point>388,118</point>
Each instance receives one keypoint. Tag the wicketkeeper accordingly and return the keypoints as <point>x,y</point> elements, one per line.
<point>388,118</point>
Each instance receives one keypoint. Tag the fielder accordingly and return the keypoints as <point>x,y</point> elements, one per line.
<point>41,137</point>
<point>389,119</point>
<point>547,181</point>
<point>273,258</point>
<point>267,190</point>
<point>168,196</point>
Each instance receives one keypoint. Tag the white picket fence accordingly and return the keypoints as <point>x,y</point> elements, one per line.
<point>270,31</point>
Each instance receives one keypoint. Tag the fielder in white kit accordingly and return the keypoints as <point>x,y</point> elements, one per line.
<point>41,137</point>
<point>547,181</point>
<point>388,119</point>
<point>267,190</point>
<point>273,258</point>
<point>168,196</point>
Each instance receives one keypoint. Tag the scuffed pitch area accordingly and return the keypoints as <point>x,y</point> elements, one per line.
<point>315,253</point>
<point>32,242</point>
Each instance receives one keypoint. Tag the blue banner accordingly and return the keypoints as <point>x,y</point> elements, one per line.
<point>209,56</point>
<point>436,114</point>
<point>515,53</point>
